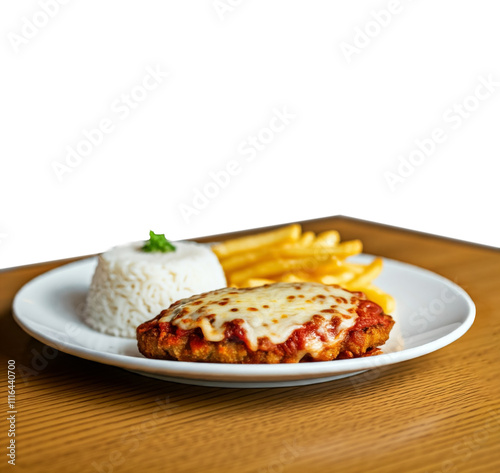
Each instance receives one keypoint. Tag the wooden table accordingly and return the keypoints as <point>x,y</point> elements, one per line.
<point>437,413</point>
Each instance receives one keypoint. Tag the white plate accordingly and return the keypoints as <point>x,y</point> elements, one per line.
<point>431,313</point>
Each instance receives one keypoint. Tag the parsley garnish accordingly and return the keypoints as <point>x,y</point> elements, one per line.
<point>157,243</point>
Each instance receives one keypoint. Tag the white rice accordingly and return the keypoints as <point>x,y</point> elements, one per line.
<point>130,286</point>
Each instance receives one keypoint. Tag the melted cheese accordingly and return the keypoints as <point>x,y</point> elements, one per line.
<point>272,311</point>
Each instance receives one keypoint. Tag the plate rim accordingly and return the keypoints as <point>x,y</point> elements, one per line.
<point>228,373</point>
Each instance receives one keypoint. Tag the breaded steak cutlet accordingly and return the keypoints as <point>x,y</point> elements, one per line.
<point>275,323</point>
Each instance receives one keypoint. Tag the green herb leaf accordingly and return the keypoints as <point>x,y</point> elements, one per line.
<point>157,243</point>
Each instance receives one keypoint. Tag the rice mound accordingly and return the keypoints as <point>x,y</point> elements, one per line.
<point>130,286</point>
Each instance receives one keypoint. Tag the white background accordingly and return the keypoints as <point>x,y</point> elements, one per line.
<point>230,69</point>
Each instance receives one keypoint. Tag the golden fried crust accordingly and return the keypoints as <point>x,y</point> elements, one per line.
<point>364,341</point>
<point>163,340</point>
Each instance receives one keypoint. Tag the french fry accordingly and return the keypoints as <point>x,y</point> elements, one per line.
<point>238,261</point>
<point>330,267</point>
<point>340,279</point>
<point>296,276</point>
<point>380,297</point>
<point>353,267</point>
<point>342,250</point>
<point>290,277</point>
<point>288,255</point>
<point>227,248</point>
<point>271,268</point>
<point>327,239</point>
<point>338,266</point>
<point>255,282</point>
<point>367,276</point>
<point>350,247</point>
<point>307,239</point>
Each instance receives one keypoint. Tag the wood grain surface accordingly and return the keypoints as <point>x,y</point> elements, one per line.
<point>437,413</point>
